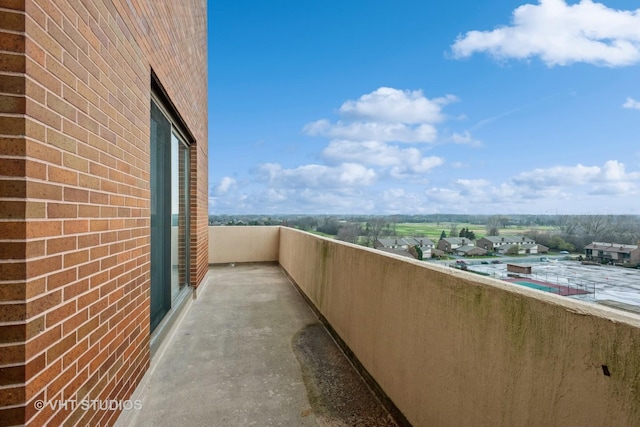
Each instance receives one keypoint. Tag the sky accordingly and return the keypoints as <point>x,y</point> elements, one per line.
<point>418,107</point>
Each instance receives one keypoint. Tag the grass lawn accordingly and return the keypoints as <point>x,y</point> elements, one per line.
<point>433,230</point>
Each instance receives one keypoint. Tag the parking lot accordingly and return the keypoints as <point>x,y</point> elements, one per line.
<point>610,284</point>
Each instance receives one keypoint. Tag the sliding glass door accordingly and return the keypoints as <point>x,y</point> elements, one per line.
<point>169,215</point>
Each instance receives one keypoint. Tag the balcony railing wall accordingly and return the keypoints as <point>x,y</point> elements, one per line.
<point>243,244</point>
<point>451,348</point>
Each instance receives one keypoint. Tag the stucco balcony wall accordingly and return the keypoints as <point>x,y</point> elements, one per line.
<point>243,244</point>
<point>451,348</point>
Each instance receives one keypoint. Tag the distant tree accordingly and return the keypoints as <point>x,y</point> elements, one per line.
<point>416,252</point>
<point>443,235</point>
<point>493,225</point>
<point>454,230</point>
<point>374,228</point>
<point>467,234</point>
<point>330,226</point>
<point>349,232</point>
<point>513,250</point>
<point>504,221</point>
<point>557,242</point>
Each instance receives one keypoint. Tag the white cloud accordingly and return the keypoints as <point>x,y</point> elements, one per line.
<point>572,188</point>
<point>471,187</point>
<point>557,176</point>
<point>397,106</point>
<point>316,176</point>
<point>465,138</point>
<point>611,175</point>
<point>374,153</point>
<point>349,188</point>
<point>378,131</point>
<point>631,103</point>
<point>386,115</point>
<point>225,185</point>
<point>561,34</point>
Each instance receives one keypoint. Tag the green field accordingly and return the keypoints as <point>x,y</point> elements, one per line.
<point>433,230</point>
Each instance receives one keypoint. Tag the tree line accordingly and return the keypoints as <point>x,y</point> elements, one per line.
<point>570,232</point>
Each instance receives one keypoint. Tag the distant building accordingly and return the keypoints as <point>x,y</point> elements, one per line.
<point>493,243</point>
<point>402,245</point>
<point>519,268</point>
<point>614,253</point>
<point>449,244</point>
<point>526,249</point>
<point>469,250</point>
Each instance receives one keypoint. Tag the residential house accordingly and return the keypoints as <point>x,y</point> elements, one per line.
<point>469,250</point>
<point>402,245</point>
<point>449,244</point>
<point>614,253</point>
<point>391,243</point>
<point>525,249</point>
<point>542,249</point>
<point>492,243</point>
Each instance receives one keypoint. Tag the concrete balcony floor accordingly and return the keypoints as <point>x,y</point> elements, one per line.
<point>250,351</point>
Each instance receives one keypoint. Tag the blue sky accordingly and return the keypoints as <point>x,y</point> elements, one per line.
<point>414,106</point>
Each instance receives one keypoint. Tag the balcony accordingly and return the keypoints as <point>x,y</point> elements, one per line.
<point>442,347</point>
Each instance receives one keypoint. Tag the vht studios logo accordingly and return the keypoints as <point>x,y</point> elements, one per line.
<point>87,404</point>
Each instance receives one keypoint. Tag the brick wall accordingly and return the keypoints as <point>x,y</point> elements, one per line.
<point>74,192</point>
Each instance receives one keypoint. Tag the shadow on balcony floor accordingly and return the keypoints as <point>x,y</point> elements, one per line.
<point>249,351</point>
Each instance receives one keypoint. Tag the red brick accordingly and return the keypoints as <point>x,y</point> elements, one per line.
<point>74,385</point>
<point>12,4</point>
<point>88,211</point>
<point>75,289</point>
<point>60,140</point>
<point>76,226</point>
<point>62,210</point>
<point>88,240</point>
<point>88,299</point>
<point>60,313</point>
<point>35,366</point>
<point>12,354</point>
<point>89,269</point>
<point>41,190</point>
<point>42,341</point>
<point>40,381</point>
<point>43,266</point>
<point>12,125</point>
<point>61,106</point>
<point>14,63</point>
<point>12,104</point>
<point>11,42</point>
<point>74,162</point>
<point>74,353</point>
<point>61,381</point>
<point>76,195</point>
<point>61,278</point>
<point>42,304</point>
<point>12,21</point>
<point>60,71</point>
<point>35,229</point>
<point>75,258</point>
<point>12,395</point>
<point>61,244</point>
<point>44,152</point>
